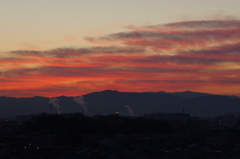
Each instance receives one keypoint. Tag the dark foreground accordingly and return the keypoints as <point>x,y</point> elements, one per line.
<point>75,136</point>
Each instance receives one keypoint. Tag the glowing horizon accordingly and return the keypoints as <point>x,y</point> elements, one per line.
<point>199,56</point>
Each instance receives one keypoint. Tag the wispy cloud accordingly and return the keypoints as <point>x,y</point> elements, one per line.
<point>189,55</point>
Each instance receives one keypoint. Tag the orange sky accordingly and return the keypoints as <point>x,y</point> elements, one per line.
<point>202,56</point>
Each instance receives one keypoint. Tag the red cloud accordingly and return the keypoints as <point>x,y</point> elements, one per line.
<point>195,55</point>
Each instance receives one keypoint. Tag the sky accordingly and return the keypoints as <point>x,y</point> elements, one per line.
<point>74,47</point>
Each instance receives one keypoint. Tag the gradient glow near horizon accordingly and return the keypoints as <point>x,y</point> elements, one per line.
<point>52,48</point>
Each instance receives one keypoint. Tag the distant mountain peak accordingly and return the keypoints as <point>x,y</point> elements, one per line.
<point>190,94</point>
<point>109,91</point>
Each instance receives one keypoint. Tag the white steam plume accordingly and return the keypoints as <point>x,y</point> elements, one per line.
<point>54,102</point>
<point>130,111</point>
<point>80,101</point>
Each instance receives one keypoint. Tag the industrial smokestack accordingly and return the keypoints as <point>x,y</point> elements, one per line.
<point>54,102</point>
<point>130,111</point>
<point>81,102</point>
<point>60,111</point>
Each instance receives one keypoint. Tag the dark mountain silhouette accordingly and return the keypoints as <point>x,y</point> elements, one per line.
<point>189,94</point>
<point>127,104</point>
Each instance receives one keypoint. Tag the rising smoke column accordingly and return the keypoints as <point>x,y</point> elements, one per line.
<point>130,111</point>
<point>80,101</point>
<point>54,102</point>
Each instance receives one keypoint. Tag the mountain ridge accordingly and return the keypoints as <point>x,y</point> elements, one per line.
<point>140,103</point>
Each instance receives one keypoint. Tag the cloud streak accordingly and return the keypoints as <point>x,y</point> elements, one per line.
<point>190,55</point>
